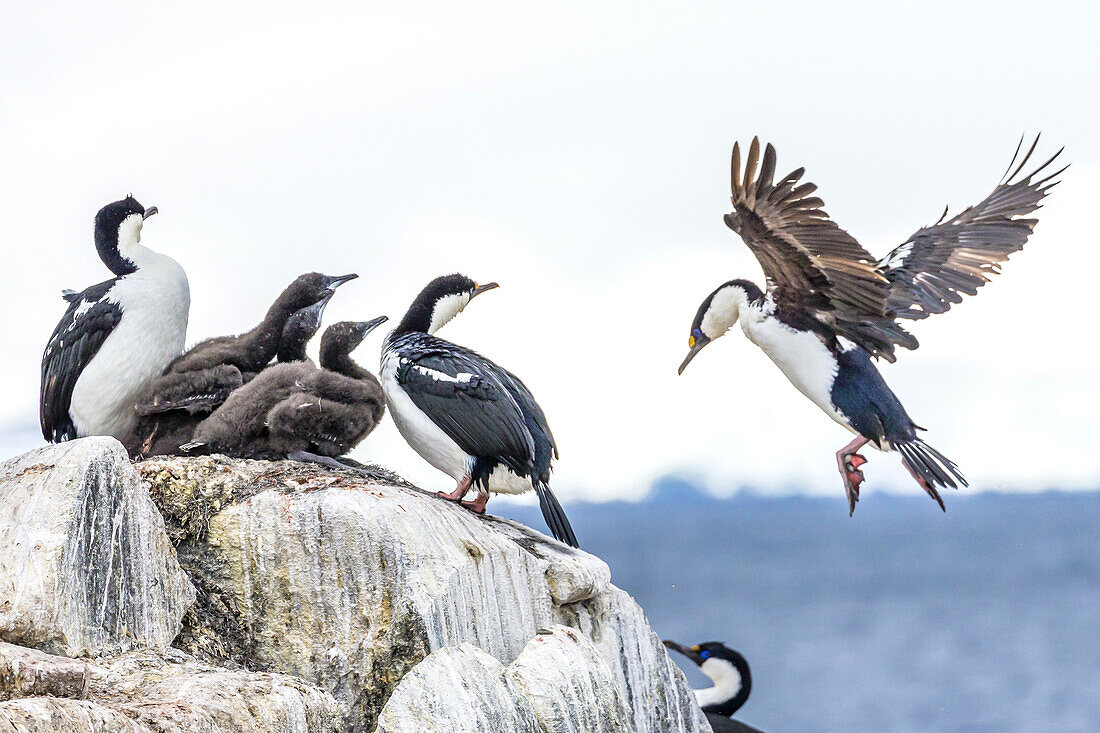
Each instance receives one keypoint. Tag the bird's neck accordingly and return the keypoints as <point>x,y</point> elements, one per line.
<point>335,358</point>
<point>116,254</point>
<point>731,687</point>
<point>295,350</point>
<point>429,314</point>
<point>265,338</point>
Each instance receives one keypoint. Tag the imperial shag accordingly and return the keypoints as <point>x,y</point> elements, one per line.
<point>115,337</point>
<point>732,683</point>
<point>829,306</point>
<point>468,417</point>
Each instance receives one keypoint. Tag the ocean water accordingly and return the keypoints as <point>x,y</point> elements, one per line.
<point>899,619</point>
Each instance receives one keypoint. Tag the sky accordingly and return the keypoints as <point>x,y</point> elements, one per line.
<point>579,156</point>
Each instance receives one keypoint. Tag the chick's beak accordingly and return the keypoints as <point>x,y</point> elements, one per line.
<point>479,289</point>
<point>149,212</point>
<point>333,282</point>
<point>372,324</point>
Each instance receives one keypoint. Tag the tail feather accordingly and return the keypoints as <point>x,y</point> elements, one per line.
<point>931,468</point>
<point>554,515</point>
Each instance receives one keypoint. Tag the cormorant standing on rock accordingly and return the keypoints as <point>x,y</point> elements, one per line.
<point>115,337</point>
<point>465,415</point>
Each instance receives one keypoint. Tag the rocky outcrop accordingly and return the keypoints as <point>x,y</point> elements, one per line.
<point>85,565</point>
<point>146,691</point>
<point>559,683</point>
<point>349,582</point>
<point>310,599</point>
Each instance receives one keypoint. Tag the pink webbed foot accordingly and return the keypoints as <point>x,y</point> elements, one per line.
<point>849,462</point>
<point>477,506</point>
<point>459,492</point>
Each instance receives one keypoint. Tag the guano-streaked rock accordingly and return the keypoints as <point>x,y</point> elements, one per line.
<point>85,565</point>
<point>348,583</point>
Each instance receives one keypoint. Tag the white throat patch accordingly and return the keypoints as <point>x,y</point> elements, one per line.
<point>727,682</point>
<point>129,237</point>
<point>725,309</point>
<point>447,308</point>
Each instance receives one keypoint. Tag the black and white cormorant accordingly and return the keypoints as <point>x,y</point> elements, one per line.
<point>300,409</point>
<point>732,683</point>
<point>829,306</point>
<point>115,337</point>
<point>465,415</point>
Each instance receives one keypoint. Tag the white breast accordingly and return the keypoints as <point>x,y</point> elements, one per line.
<point>800,355</point>
<point>155,302</point>
<point>418,430</point>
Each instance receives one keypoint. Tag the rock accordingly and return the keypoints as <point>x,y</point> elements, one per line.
<point>28,672</point>
<point>174,692</point>
<point>59,715</point>
<point>85,565</point>
<point>348,582</point>
<point>558,684</point>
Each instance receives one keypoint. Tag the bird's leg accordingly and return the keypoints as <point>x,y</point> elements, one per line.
<point>928,488</point>
<point>460,490</point>
<point>849,462</point>
<point>477,506</point>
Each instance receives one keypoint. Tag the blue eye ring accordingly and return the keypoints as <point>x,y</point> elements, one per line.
<point>697,333</point>
<point>704,654</point>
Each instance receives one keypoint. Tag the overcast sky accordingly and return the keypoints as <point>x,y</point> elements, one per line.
<point>579,156</point>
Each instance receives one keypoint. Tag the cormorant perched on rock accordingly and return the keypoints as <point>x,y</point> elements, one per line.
<point>299,408</point>
<point>173,405</point>
<point>830,307</point>
<point>732,684</point>
<point>465,415</point>
<point>115,337</point>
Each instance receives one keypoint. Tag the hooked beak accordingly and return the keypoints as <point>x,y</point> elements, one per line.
<point>695,349</point>
<point>368,326</point>
<point>481,289</point>
<point>691,653</point>
<point>149,212</point>
<point>333,282</point>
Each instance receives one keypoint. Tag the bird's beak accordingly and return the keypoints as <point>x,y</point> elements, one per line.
<point>368,326</point>
<point>479,289</point>
<point>696,347</point>
<point>333,282</point>
<point>691,653</point>
<point>149,212</point>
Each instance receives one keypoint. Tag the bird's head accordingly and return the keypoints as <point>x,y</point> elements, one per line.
<point>340,339</point>
<point>441,300</point>
<point>300,328</point>
<point>118,233</point>
<point>726,667</point>
<point>718,313</point>
<point>310,289</point>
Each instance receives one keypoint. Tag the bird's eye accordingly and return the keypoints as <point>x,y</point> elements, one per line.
<point>704,654</point>
<point>697,333</point>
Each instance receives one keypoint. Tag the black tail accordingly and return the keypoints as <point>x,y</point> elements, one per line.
<point>930,467</point>
<point>554,515</point>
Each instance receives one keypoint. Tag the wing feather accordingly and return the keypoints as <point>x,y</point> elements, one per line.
<point>938,264</point>
<point>808,260</point>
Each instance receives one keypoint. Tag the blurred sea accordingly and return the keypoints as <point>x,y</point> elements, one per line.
<point>899,619</point>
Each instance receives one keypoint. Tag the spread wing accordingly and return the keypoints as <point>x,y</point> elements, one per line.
<point>939,264</point>
<point>808,260</point>
<point>459,392</point>
<point>87,323</point>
